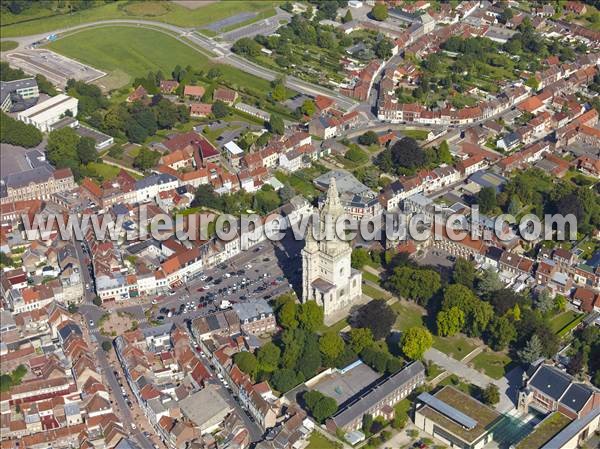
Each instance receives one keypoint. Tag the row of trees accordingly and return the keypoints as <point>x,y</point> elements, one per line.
<point>15,132</point>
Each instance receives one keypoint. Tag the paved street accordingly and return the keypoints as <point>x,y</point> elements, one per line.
<point>268,263</point>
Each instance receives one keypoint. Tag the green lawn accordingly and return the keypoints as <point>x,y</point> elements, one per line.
<point>8,45</point>
<point>318,441</point>
<point>132,51</point>
<point>374,292</point>
<point>103,170</point>
<point>371,277</point>
<point>494,364</point>
<point>127,52</point>
<point>160,11</point>
<point>417,134</point>
<point>407,315</point>
<point>562,320</point>
<point>335,327</point>
<point>434,371</point>
<point>456,346</point>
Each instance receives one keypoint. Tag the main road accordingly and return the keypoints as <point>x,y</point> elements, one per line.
<point>217,51</point>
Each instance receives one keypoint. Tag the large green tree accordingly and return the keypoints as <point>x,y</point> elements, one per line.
<point>450,322</point>
<point>331,345</point>
<point>464,272</point>
<point>247,362</point>
<point>268,357</point>
<point>86,150</point>
<point>62,148</point>
<point>276,125</point>
<point>310,316</point>
<point>377,316</point>
<point>379,12</point>
<point>501,333</point>
<point>414,283</point>
<point>360,338</point>
<point>15,132</point>
<point>415,341</point>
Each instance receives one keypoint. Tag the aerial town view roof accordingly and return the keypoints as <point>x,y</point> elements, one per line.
<point>303,224</point>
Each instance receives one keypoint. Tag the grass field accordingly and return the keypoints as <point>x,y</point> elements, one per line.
<point>456,346</point>
<point>318,441</point>
<point>161,11</point>
<point>494,364</point>
<point>335,327</point>
<point>374,292</point>
<point>562,320</point>
<point>417,134</point>
<point>128,52</point>
<point>8,45</point>
<point>371,277</point>
<point>103,170</point>
<point>407,315</point>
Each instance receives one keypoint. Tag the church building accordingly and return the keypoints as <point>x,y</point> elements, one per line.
<point>327,276</point>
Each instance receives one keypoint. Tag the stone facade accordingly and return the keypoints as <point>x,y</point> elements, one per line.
<point>327,276</point>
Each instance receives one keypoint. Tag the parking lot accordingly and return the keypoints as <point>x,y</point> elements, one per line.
<point>266,27</point>
<point>265,271</point>
<point>53,66</point>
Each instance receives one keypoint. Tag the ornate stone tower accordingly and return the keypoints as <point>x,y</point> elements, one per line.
<point>327,276</point>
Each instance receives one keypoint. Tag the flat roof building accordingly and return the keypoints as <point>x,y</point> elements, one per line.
<point>455,418</point>
<point>378,399</point>
<point>48,112</point>
<point>18,94</point>
<point>206,408</point>
<point>101,140</point>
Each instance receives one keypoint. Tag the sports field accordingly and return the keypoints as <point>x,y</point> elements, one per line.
<point>46,20</point>
<point>128,52</point>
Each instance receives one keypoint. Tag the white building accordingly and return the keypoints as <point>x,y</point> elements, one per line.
<point>149,187</point>
<point>327,276</point>
<point>48,112</point>
<point>17,91</point>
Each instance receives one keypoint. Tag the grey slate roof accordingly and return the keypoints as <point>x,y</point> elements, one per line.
<point>68,330</point>
<point>155,179</point>
<point>35,175</point>
<point>550,381</point>
<point>249,310</point>
<point>576,397</point>
<point>379,391</point>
